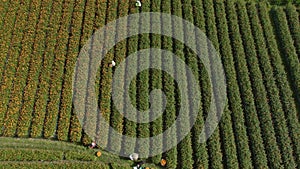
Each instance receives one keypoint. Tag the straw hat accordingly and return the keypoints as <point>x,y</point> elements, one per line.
<point>98,154</point>
<point>134,156</point>
<point>163,162</point>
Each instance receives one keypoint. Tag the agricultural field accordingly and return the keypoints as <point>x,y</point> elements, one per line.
<point>258,44</point>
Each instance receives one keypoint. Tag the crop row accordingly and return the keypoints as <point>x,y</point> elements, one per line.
<point>169,89</point>
<point>185,151</point>
<point>53,105</point>
<point>4,9</point>
<point>39,110</point>
<point>6,33</point>
<point>259,91</point>
<point>120,55</point>
<point>34,71</point>
<point>287,48</point>
<point>29,155</point>
<point>280,126</point>
<point>294,25</point>
<point>256,144</point>
<point>73,50</point>
<point>225,32</point>
<point>106,72</point>
<point>199,149</point>
<point>98,21</point>
<point>71,165</point>
<point>129,127</point>
<point>230,159</point>
<point>280,76</point>
<point>214,147</point>
<point>21,121</point>
<point>143,129</point>
<point>11,117</point>
<point>156,127</point>
<point>21,154</point>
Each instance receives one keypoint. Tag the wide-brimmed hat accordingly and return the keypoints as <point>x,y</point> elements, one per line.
<point>134,156</point>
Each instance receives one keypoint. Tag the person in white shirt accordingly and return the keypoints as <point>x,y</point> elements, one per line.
<point>138,3</point>
<point>134,156</point>
<point>93,145</point>
<point>112,64</point>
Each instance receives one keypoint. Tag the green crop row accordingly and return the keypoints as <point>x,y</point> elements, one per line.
<point>258,89</point>
<point>156,127</point>
<point>142,97</point>
<point>39,111</point>
<point>214,147</point>
<point>34,71</point>
<point>192,140</point>
<point>29,155</point>
<point>66,95</point>
<point>80,156</point>
<point>106,72</point>
<point>280,76</point>
<point>199,149</point>
<point>225,32</point>
<point>169,89</point>
<point>120,55</point>
<point>287,48</point>
<point>252,121</point>
<point>99,20</point>
<point>87,14</point>
<point>129,127</point>
<point>68,164</point>
<point>9,73</point>
<point>279,121</point>
<point>185,151</point>
<point>293,20</point>
<point>229,147</point>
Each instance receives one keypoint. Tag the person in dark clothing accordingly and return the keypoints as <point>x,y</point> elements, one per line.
<point>139,165</point>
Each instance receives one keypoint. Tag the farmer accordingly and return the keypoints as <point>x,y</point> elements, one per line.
<point>134,156</point>
<point>139,165</point>
<point>112,64</point>
<point>138,3</point>
<point>93,145</point>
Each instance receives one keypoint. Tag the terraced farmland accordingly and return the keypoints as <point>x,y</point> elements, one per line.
<point>259,46</point>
